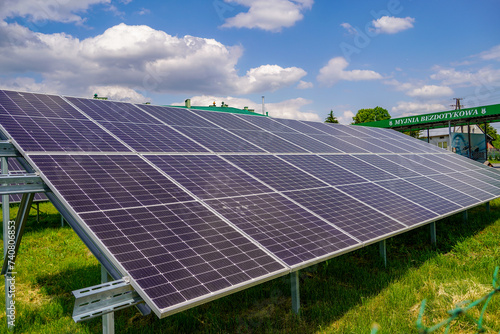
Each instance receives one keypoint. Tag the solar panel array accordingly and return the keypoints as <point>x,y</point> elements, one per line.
<point>193,205</point>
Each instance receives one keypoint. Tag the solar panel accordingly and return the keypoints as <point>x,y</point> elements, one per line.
<point>359,167</point>
<point>387,165</point>
<point>208,176</point>
<point>307,143</point>
<point>389,203</point>
<point>100,110</point>
<point>36,105</point>
<point>285,229</point>
<point>363,222</point>
<point>323,169</point>
<point>268,141</point>
<point>339,144</point>
<point>193,205</point>
<point>218,140</point>
<point>275,172</point>
<point>421,196</point>
<point>152,138</point>
<point>58,134</point>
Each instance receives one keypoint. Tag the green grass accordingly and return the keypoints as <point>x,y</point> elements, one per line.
<point>347,294</point>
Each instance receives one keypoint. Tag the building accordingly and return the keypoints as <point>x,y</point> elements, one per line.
<point>222,108</point>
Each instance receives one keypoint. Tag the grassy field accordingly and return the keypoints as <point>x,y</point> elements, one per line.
<point>347,294</point>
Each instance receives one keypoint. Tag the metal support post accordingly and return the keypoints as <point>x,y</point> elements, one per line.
<point>62,221</point>
<point>108,320</point>
<point>428,137</point>
<point>433,233</point>
<point>468,138</point>
<point>485,142</point>
<point>488,207</point>
<point>449,136</point>
<point>465,215</point>
<point>8,276</point>
<point>382,246</point>
<point>294,280</point>
<point>37,212</point>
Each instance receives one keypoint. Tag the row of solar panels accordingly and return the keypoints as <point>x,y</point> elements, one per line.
<point>193,205</point>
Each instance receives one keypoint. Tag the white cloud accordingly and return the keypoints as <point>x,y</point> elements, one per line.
<point>27,85</point>
<point>350,29</point>
<point>285,109</point>
<point>305,85</point>
<point>117,93</point>
<point>334,72</point>
<point>136,57</point>
<point>346,117</point>
<point>430,92</point>
<point>491,54</point>
<point>144,11</point>
<point>414,108</point>
<point>392,25</point>
<point>270,15</point>
<point>47,10</point>
<point>486,76</point>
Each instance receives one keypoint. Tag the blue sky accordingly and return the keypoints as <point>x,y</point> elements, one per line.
<point>306,57</point>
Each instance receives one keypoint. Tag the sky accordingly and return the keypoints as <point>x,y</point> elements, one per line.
<point>306,57</point>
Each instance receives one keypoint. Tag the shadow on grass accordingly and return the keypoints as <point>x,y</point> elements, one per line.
<point>328,290</point>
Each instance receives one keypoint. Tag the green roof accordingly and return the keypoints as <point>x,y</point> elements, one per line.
<point>221,109</point>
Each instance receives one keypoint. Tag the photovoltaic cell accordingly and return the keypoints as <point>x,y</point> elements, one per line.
<point>359,167</point>
<point>453,181</point>
<point>58,134</point>
<point>99,182</point>
<point>152,138</point>
<point>331,130</point>
<point>179,252</point>
<point>417,163</point>
<point>275,172</point>
<point>339,144</point>
<point>299,126</point>
<point>266,123</point>
<point>218,140</point>
<point>307,143</point>
<point>485,177</point>
<point>100,110</point>
<point>383,144</point>
<point>418,195</point>
<point>456,166</point>
<point>283,228</point>
<point>352,216</point>
<point>176,116</point>
<point>427,148</point>
<point>323,169</point>
<point>475,182</point>
<point>467,163</point>
<point>387,165</point>
<point>491,172</point>
<point>389,203</point>
<point>443,190</point>
<point>36,105</point>
<point>268,141</point>
<point>226,121</point>
<point>354,131</point>
<point>208,176</point>
<point>366,145</point>
<point>405,145</point>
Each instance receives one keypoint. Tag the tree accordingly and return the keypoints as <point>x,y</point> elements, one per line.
<point>492,132</point>
<point>413,133</point>
<point>330,118</point>
<point>371,115</point>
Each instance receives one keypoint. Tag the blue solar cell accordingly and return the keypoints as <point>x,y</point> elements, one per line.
<point>339,143</point>
<point>58,134</point>
<point>36,105</point>
<point>152,138</point>
<point>226,121</point>
<point>476,182</point>
<point>283,228</point>
<point>275,172</point>
<point>422,164</point>
<point>389,203</point>
<point>323,169</point>
<point>208,176</point>
<point>418,195</point>
<point>99,182</point>
<point>387,165</point>
<point>176,116</point>
<point>347,213</point>
<point>359,167</point>
<point>299,126</point>
<point>454,181</point>
<point>306,142</point>
<point>112,111</point>
<point>266,123</point>
<point>219,140</point>
<point>367,144</point>
<point>179,252</point>
<point>327,129</point>
<point>268,141</point>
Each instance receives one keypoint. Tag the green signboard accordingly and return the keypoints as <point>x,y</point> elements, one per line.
<point>490,112</point>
